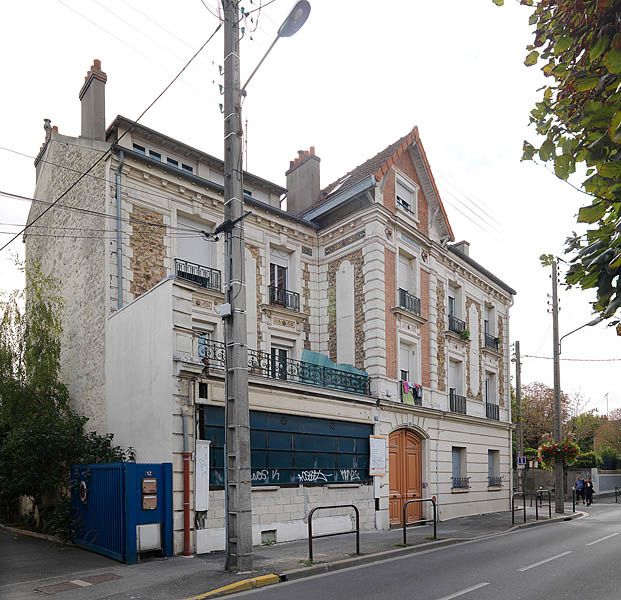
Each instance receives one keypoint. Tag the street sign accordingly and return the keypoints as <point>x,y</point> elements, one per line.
<point>521,461</point>
<point>521,467</point>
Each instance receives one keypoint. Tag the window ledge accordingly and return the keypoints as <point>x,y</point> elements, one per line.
<point>495,488</point>
<point>460,490</point>
<point>492,351</point>
<point>457,337</point>
<point>405,313</point>
<point>266,488</point>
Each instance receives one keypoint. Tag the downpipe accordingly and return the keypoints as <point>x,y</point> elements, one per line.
<point>119,238</point>
<point>187,456</point>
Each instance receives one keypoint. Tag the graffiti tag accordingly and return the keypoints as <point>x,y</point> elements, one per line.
<point>350,475</point>
<point>313,476</point>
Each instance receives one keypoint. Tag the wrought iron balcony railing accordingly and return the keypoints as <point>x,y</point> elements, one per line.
<point>491,341</point>
<point>492,411</point>
<point>283,297</point>
<point>456,325</point>
<point>461,482</point>
<point>494,481</point>
<point>457,402</point>
<point>200,275</point>
<point>263,364</point>
<point>409,302</point>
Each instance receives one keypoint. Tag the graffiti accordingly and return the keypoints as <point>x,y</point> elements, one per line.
<point>265,475</point>
<point>313,476</point>
<point>350,475</point>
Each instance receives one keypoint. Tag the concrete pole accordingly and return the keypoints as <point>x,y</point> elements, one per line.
<point>237,448</point>
<point>559,496</point>
<point>518,411</point>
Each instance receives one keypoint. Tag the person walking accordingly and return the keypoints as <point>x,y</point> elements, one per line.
<point>588,492</point>
<point>579,487</point>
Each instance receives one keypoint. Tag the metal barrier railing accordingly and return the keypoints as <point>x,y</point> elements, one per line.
<point>540,493</point>
<point>617,494</point>
<point>573,499</point>
<point>405,518</point>
<point>513,506</point>
<point>310,527</point>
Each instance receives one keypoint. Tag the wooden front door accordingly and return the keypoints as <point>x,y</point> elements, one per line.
<point>405,478</point>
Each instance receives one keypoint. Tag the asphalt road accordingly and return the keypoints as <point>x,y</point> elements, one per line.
<point>580,559</point>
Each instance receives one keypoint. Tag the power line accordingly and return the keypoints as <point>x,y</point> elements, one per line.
<point>187,64</point>
<point>574,359</point>
<point>211,11</point>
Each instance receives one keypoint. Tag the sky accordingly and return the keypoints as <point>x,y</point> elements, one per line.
<point>358,76</point>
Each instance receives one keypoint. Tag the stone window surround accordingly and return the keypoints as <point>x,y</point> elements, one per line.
<point>294,274</point>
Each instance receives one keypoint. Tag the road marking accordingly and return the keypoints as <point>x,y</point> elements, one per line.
<point>602,539</point>
<point>542,562</point>
<point>80,583</point>
<point>462,592</point>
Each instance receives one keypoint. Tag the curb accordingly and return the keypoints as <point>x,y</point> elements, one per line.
<point>294,574</point>
<point>239,586</point>
<point>570,517</point>
<point>34,534</point>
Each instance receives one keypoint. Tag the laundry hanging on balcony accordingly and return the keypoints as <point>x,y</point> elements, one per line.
<point>411,393</point>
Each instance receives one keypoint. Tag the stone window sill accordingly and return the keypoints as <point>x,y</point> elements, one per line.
<point>495,488</point>
<point>336,486</point>
<point>266,488</point>
<point>460,490</point>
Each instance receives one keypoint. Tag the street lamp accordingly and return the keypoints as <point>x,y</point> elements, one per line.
<point>237,465</point>
<point>559,474</point>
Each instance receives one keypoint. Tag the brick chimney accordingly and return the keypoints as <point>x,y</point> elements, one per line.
<point>303,189</point>
<point>93,100</point>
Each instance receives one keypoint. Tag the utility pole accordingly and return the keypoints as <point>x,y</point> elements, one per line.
<point>518,410</point>
<point>237,414</point>
<point>559,484</point>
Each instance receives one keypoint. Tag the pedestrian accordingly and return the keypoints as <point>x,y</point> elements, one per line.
<point>579,487</point>
<point>588,492</point>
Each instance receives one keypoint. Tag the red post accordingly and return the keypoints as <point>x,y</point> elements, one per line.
<point>187,550</point>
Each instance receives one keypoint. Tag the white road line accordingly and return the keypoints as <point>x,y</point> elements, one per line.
<point>462,592</point>
<point>602,539</point>
<point>80,583</point>
<point>542,562</point>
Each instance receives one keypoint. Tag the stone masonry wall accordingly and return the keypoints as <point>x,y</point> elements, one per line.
<point>440,342</point>
<point>78,265</point>
<point>148,249</point>
<point>391,322</point>
<point>424,330</point>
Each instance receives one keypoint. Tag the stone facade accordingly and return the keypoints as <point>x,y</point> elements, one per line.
<point>306,292</point>
<point>501,361</point>
<point>440,341</point>
<point>390,288</point>
<point>478,364</point>
<point>148,250</point>
<point>256,254</point>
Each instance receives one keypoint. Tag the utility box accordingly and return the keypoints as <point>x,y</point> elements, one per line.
<point>121,510</point>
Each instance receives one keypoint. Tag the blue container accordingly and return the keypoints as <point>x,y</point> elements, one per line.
<point>122,509</point>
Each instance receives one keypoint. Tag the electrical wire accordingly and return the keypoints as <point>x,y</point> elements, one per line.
<point>210,11</point>
<point>101,158</point>
<point>574,359</point>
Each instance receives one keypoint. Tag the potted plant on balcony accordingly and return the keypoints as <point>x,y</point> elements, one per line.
<point>549,450</point>
<point>465,334</point>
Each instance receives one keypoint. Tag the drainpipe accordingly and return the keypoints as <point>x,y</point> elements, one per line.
<point>187,455</point>
<point>119,239</point>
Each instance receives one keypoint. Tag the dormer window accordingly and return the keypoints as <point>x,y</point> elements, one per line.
<point>407,196</point>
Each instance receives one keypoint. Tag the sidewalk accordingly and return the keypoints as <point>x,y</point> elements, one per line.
<point>39,569</point>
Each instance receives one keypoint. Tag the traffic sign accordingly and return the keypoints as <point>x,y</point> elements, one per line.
<point>521,461</point>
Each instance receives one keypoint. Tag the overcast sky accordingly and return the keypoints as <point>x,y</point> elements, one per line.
<point>357,77</point>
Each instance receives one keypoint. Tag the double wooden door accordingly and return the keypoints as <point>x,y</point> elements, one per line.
<point>405,478</point>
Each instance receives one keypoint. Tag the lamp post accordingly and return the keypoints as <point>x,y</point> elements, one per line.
<point>238,500</point>
<point>559,483</point>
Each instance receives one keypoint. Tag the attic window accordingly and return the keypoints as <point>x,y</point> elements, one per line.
<point>155,155</point>
<point>139,148</point>
<point>406,196</point>
<point>187,168</point>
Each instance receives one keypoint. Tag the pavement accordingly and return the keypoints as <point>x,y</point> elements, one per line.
<point>34,568</point>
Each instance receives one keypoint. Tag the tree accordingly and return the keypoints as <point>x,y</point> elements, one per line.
<point>608,435</point>
<point>578,44</point>
<point>584,426</point>
<point>41,436</point>
<point>538,412</point>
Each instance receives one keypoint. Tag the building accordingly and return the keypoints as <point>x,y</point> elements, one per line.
<point>364,319</point>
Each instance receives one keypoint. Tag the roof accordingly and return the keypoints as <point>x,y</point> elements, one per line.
<point>380,164</point>
<point>121,121</point>
<point>482,270</point>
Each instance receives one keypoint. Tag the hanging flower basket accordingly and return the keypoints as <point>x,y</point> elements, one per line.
<point>549,451</point>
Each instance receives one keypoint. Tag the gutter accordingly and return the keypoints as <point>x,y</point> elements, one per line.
<point>340,199</point>
<point>268,208</point>
<point>119,239</point>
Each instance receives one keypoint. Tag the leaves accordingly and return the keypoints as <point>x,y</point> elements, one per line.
<point>612,61</point>
<point>592,213</point>
<point>531,58</point>
<point>547,150</point>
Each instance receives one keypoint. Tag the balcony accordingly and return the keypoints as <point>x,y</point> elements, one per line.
<point>492,411</point>
<point>264,364</point>
<point>457,402</point>
<point>409,303</point>
<point>285,298</point>
<point>461,483</point>
<point>456,325</point>
<point>205,277</point>
<point>494,481</point>
<point>491,342</point>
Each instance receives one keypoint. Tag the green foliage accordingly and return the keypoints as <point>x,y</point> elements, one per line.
<point>41,436</point>
<point>588,460</point>
<point>579,121</point>
<point>609,452</point>
<point>530,453</point>
<point>584,427</point>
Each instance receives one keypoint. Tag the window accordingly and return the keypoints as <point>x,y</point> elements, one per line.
<point>406,196</point>
<point>456,379</point>
<point>279,363</point>
<point>454,301</point>
<point>290,449</point>
<point>493,468</point>
<point>187,168</point>
<point>139,148</point>
<point>155,155</point>
<point>172,162</point>
<point>278,276</point>
<point>204,337</point>
<point>406,274</point>
<point>203,390</point>
<point>459,478</point>
<point>490,387</point>
<point>408,362</point>
<point>194,248</point>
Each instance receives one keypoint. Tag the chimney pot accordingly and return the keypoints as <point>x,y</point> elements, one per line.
<point>55,128</point>
<point>312,150</point>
